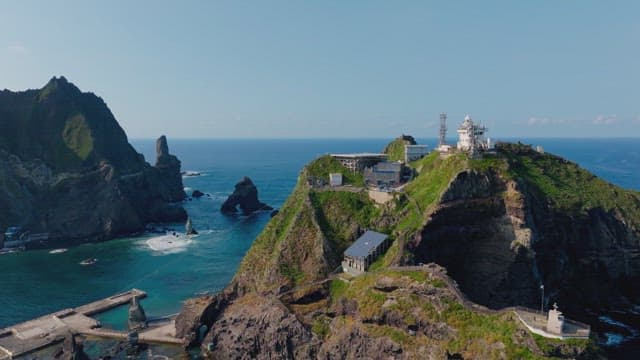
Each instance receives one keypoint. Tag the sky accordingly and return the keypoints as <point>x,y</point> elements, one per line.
<point>307,69</point>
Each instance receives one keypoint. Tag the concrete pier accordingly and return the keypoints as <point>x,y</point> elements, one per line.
<point>50,329</point>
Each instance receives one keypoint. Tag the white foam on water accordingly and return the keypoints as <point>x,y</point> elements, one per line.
<point>169,244</point>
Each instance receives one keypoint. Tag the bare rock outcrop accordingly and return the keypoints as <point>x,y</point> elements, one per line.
<point>245,196</point>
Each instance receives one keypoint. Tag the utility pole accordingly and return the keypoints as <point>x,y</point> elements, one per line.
<point>542,299</point>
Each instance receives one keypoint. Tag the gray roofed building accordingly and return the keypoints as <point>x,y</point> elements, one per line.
<point>364,251</point>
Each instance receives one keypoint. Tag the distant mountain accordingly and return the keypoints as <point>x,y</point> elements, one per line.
<point>67,168</point>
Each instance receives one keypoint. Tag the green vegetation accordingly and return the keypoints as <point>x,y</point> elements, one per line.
<point>264,252</point>
<point>568,186</point>
<point>77,136</point>
<point>337,288</point>
<point>475,335</point>
<point>321,326</point>
<point>324,165</point>
<point>395,149</point>
<point>340,213</point>
<point>423,192</point>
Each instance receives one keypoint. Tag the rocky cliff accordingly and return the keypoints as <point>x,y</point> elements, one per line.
<point>501,225</point>
<point>62,152</point>
<point>522,219</point>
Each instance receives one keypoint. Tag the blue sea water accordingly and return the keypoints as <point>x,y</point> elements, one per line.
<point>37,282</point>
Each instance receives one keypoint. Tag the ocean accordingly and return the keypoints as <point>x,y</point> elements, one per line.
<point>34,283</point>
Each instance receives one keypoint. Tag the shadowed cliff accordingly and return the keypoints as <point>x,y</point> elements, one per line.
<point>61,153</point>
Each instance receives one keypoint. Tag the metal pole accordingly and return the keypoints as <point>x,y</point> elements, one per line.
<point>542,300</point>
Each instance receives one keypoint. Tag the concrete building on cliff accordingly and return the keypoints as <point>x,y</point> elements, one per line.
<point>364,251</point>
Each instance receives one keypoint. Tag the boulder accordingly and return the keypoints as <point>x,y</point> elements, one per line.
<point>244,196</point>
<point>197,194</point>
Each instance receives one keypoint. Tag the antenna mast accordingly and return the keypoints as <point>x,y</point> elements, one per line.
<point>443,129</point>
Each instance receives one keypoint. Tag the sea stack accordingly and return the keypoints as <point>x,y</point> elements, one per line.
<point>245,196</point>
<point>137,317</point>
<point>169,167</point>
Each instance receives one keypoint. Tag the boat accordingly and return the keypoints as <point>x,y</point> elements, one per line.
<point>57,251</point>
<point>191,173</point>
<point>89,261</point>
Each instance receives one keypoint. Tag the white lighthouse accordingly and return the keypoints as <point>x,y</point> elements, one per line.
<point>471,136</point>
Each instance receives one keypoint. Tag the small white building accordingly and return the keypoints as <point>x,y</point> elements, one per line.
<point>555,321</point>
<point>335,179</point>
<point>414,152</point>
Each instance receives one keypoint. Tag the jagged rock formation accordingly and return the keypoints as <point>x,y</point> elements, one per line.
<point>188,228</point>
<point>501,225</point>
<point>137,318</point>
<point>244,196</point>
<point>62,152</point>
<point>169,168</point>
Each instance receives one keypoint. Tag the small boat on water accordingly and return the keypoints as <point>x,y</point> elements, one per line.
<point>89,261</point>
<point>57,251</point>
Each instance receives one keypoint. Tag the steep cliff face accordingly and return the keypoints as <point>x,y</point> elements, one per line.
<point>527,219</point>
<point>61,153</point>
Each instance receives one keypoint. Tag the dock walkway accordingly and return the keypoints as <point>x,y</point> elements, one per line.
<point>50,329</point>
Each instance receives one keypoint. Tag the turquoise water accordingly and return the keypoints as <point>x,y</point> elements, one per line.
<point>36,282</point>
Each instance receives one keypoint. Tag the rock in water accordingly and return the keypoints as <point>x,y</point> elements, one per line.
<point>245,195</point>
<point>189,230</point>
<point>63,152</point>
<point>169,167</point>
<point>197,194</point>
<point>137,317</point>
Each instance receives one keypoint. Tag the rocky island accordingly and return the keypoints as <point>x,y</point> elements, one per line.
<point>63,152</point>
<point>493,230</point>
<point>245,197</point>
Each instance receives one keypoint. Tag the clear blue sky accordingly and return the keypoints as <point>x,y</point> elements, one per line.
<point>337,68</point>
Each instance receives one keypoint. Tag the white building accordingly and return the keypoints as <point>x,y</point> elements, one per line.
<point>335,179</point>
<point>414,152</point>
<point>471,136</point>
<point>555,321</point>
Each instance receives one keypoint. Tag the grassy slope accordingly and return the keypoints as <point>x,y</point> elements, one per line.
<point>571,188</point>
<point>395,149</point>
<point>311,229</point>
<point>323,166</point>
<point>474,333</point>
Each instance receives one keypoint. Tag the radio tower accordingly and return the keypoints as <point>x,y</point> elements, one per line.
<point>443,129</point>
